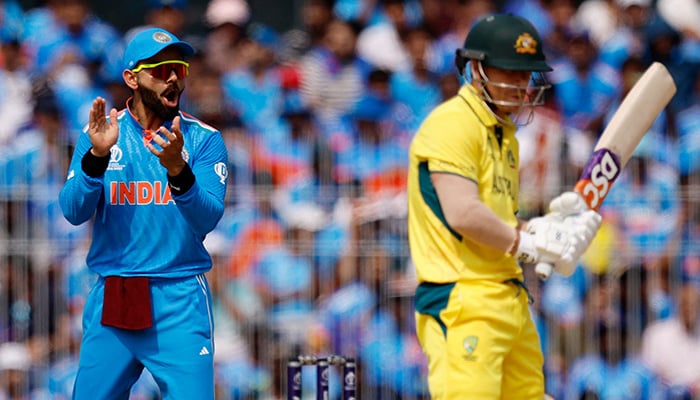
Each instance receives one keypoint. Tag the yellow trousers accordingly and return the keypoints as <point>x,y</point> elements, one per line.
<point>480,341</point>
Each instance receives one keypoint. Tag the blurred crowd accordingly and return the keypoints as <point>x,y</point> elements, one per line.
<point>311,256</point>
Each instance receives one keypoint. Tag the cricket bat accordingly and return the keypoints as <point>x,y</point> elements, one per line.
<point>631,121</point>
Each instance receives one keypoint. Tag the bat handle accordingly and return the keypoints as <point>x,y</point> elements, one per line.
<point>544,270</point>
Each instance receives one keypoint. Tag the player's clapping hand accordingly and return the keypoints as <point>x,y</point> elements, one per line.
<point>103,133</point>
<point>170,143</point>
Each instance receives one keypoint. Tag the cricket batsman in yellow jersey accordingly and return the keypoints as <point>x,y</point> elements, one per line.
<point>472,315</point>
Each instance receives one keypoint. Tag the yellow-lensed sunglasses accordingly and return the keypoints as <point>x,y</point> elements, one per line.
<point>162,70</point>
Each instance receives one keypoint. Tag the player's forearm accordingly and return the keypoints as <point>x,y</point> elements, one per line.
<point>83,188</point>
<point>467,214</point>
<point>202,186</point>
<point>202,210</point>
<point>477,223</point>
<point>202,204</point>
<point>79,198</point>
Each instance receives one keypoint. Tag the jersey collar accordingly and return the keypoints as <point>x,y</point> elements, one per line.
<point>478,105</point>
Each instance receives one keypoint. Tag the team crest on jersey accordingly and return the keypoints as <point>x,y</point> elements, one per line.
<point>469,344</point>
<point>525,44</point>
<point>185,155</point>
<point>115,157</point>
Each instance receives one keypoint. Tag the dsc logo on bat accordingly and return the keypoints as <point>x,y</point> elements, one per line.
<point>600,173</point>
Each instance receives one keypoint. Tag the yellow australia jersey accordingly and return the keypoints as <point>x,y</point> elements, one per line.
<point>460,137</point>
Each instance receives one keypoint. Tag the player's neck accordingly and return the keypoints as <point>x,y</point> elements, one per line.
<point>147,118</point>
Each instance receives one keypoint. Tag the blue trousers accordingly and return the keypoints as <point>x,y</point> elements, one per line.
<point>178,349</point>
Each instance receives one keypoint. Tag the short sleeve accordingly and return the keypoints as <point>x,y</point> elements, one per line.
<point>450,143</point>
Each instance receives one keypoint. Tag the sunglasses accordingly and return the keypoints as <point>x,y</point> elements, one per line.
<point>163,69</point>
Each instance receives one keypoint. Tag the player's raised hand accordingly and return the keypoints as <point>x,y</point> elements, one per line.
<point>103,133</point>
<point>171,143</point>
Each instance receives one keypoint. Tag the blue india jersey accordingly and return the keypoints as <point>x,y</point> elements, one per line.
<point>140,227</point>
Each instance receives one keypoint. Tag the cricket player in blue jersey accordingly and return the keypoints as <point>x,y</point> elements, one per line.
<point>152,179</point>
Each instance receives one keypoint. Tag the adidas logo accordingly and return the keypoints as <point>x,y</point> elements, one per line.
<point>204,351</point>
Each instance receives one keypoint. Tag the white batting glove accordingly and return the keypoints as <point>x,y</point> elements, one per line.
<point>581,228</point>
<point>584,226</point>
<point>565,205</point>
<point>576,215</point>
<point>568,203</point>
<point>549,242</point>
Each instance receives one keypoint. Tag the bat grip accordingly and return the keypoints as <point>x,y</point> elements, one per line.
<point>544,270</point>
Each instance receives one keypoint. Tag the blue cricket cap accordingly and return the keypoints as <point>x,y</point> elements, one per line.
<point>150,42</point>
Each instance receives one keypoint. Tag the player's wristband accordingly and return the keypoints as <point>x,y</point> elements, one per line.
<point>182,182</point>
<point>94,166</point>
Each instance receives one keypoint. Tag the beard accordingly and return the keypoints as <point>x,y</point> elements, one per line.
<point>151,100</point>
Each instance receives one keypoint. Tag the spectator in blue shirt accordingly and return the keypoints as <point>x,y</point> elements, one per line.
<point>166,14</point>
<point>687,126</point>
<point>628,39</point>
<point>610,372</point>
<point>584,87</point>
<point>375,158</point>
<point>11,19</point>
<point>415,89</point>
<point>254,90</point>
<point>79,37</point>
<point>333,79</point>
<point>16,87</point>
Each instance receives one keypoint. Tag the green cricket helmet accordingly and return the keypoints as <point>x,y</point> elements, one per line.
<point>510,43</point>
<point>504,41</point>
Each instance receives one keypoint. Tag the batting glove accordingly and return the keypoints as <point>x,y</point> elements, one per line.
<point>546,240</point>
<point>568,203</point>
<point>580,229</point>
<point>583,227</point>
